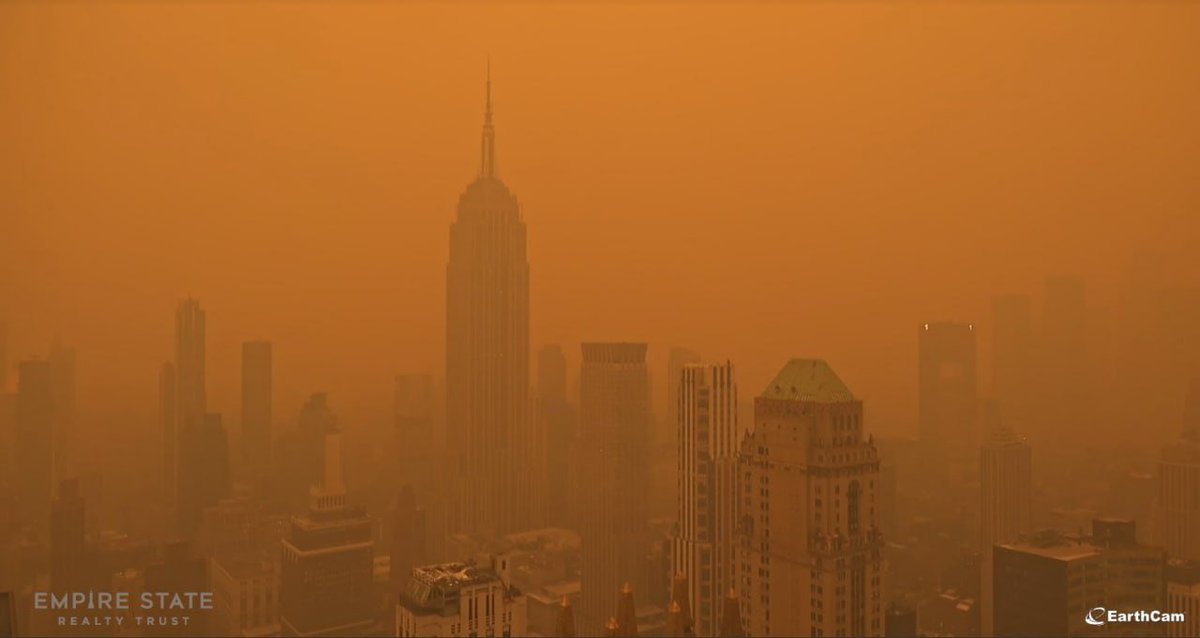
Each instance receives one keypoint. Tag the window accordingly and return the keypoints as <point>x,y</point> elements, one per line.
<point>852,501</point>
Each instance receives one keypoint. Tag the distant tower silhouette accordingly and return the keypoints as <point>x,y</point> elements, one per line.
<point>558,422</point>
<point>190,348</point>
<point>491,438</point>
<point>947,393</point>
<point>34,443</point>
<point>168,431</point>
<point>62,373</point>
<point>68,540</point>
<point>1014,354</point>
<point>204,474</point>
<point>256,407</point>
<point>182,383</point>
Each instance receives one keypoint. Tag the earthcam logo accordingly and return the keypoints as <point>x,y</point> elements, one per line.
<point>1098,616</point>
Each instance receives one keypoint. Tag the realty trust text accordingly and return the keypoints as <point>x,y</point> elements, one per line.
<point>149,602</point>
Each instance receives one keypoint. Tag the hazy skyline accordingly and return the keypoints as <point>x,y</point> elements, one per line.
<point>751,182</point>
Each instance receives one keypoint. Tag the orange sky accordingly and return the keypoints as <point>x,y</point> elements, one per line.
<point>756,181</point>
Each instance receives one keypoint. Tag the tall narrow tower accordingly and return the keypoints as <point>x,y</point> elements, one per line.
<point>491,436</point>
<point>614,466</point>
<point>1178,524</point>
<point>1006,496</point>
<point>709,436</point>
<point>947,392</point>
<point>256,407</point>
<point>810,552</point>
<point>62,376</point>
<point>190,396</point>
<point>34,443</point>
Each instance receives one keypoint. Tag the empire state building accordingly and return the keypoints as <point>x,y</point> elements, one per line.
<point>490,433</point>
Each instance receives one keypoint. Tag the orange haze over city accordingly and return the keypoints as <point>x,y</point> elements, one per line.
<point>754,181</point>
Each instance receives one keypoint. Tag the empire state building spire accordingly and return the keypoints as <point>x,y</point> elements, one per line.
<point>488,162</point>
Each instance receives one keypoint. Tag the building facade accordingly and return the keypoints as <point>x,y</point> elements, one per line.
<point>947,385</point>
<point>1006,498</point>
<point>256,407</point>
<point>668,433</point>
<point>245,595</point>
<point>560,426</point>
<point>1046,584</point>
<point>810,561</point>
<point>460,599</point>
<point>1178,524</point>
<point>489,430</point>
<point>327,572</point>
<point>1183,596</point>
<point>614,465</point>
<point>69,560</point>
<point>204,472</point>
<point>709,437</point>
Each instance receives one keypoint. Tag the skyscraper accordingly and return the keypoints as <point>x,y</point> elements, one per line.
<point>947,386</point>
<point>1179,486</point>
<point>300,453</point>
<point>614,464</point>
<point>1014,358</point>
<point>1006,496</point>
<point>487,354</point>
<point>34,442</point>
<point>1045,584</point>
<point>810,552</point>
<point>190,395</point>
<point>558,424</point>
<point>68,540</point>
<point>168,433</point>
<point>1183,596</point>
<point>709,439</point>
<point>418,451</point>
<point>327,572</point>
<point>62,373</point>
<point>408,543</point>
<point>256,406</point>
<point>677,358</point>
<point>204,475</point>
<point>1063,383</point>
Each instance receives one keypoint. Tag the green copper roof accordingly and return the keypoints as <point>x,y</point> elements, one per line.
<point>808,380</point>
